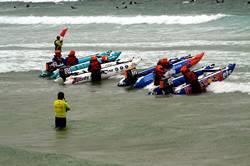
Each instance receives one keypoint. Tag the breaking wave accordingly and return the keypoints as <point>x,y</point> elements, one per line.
<point>227,87</point>
<point>121,20</point>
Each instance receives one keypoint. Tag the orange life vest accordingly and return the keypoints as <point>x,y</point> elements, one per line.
<point>94,66</point>
<point>164,63</point>
<point>190,77</point>
<point>71,60</point>
<point>159,71</point>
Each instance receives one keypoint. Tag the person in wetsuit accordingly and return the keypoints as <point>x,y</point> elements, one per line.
<point>192,79</point>
<point>71,60</point>
<point>95,69</point>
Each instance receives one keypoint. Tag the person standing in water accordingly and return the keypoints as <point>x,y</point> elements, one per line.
<point>95,69</point>
<point>58,43</point>
<point>60,108</point>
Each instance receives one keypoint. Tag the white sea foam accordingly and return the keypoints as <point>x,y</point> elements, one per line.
<point>226,87</point>
<point>148,44</point>
<point>121,20</point>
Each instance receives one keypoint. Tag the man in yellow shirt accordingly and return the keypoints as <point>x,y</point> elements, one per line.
<point>60,107</point>
<point>58,43</point>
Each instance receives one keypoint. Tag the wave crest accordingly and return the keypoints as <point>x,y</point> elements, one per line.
<point>121,20</point>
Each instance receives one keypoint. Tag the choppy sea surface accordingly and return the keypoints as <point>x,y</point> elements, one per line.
<point>109,125</point>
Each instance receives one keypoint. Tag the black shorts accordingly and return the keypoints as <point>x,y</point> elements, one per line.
<point>96,76</point>
<point>196,87</point>
<point>60,122</point>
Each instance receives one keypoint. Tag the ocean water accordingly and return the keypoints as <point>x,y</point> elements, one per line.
<point>114,126</point>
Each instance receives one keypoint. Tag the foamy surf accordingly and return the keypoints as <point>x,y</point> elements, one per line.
<point>227,87</point>
<point>120,20</point>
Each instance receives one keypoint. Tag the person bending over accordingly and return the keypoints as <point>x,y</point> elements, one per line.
<point>192,79</point>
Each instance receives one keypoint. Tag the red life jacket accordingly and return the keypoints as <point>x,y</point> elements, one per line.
<point>94,66</point>
<point>159,71</point>
<point>164,63</point>
<point>126,73</point>
<point>190,77</point>
<point>70,61</point>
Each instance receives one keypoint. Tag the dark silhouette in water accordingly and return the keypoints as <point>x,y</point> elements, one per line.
<point>14,6</point>
<point>248,2</point>
<point>27,5</point>
<point>73,7</point>
<point>125,6</point>
<point>219,1</point>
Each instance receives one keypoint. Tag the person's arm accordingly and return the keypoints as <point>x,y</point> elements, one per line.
<point>67,106</point>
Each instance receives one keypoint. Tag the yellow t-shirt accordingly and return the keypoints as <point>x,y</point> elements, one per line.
<point>60,108</point>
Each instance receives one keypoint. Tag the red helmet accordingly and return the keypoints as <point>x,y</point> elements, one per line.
<point>94,58</point>
<point>165,61</point>
<point>104,58</point>
<point>72,53</point>
<point>184,69</point>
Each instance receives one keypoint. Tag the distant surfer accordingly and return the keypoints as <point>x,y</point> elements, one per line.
<point>58,43</point>
<point>190,1</point>
<point>95,69</point>
<point>28,5</point>
<point>219,1</point>
<point>73,7</point>
<point>61,107</point>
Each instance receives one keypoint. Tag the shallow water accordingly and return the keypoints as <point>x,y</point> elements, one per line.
<point>110,125</point>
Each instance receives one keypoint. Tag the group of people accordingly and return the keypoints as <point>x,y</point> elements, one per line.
<point>61,107</point>
<point>94,66</point>
<point>69,61</point>
<point>162,80</point>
